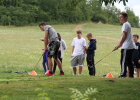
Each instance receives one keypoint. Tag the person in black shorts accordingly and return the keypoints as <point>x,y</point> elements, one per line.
<point>52,47</point>
<point>136,54</point>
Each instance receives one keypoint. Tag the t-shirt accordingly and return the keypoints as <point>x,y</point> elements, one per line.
<point>52,33</point>
<point>79,45</point>
<point>62,47</point>
<point>136,53</point>
<point>128,43</point>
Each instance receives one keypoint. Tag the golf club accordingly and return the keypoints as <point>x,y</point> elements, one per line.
<point>38,61</point>
<point>33,73</point>
<point>103,57</point>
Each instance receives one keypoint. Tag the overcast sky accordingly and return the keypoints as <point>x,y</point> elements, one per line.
<point>132,4</point>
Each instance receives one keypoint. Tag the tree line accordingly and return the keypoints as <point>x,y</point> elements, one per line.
<point>27,12</point>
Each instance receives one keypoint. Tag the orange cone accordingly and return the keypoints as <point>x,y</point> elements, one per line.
<point>109,75</point>
<point>33,73</point>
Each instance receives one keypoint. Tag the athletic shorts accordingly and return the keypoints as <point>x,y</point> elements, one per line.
<point>53,49</point>
<point>77,60</point>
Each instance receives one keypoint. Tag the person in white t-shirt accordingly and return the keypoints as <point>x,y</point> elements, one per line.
<point>78,52</point>
<point>127,47</point>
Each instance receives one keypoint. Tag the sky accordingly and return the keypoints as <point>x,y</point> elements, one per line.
<point>132,4</point>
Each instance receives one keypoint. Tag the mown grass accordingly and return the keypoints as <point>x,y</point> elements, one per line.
<point>20,48</point>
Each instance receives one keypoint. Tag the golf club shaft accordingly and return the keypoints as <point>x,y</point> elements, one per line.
<point>38,60</point>
<point>103,57</point>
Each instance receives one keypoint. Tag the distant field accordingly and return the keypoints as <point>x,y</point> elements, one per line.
<point>20,48</point>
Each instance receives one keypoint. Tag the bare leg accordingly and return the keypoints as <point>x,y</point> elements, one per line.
<point>127,72</point>
<point>74,70</point>
<point>59,64</point>
<point>50,63</point>
<point>80,70</point>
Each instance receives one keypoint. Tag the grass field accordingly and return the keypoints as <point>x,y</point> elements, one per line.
<point>20,48</point>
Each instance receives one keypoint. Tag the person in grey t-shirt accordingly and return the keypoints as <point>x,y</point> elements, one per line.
<point>52,47</point>
<point>52,36</point>
<point>127,45</point>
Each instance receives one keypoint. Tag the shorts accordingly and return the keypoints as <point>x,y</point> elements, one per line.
<point>53,49</point>
<point>77,60</point>
<point>136,64</point>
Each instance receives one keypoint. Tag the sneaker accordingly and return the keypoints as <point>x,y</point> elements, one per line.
<point>62,73</point>
<point>122,76</point>
<point>49,74</point>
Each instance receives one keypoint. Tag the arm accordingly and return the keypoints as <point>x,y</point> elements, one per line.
<point>73,46</point>
<point>85,49</point>
<point>121,41</point>
<point>64,45</point>
<point>92,46</point>
<point>45,41</point>
<point>72,49</point>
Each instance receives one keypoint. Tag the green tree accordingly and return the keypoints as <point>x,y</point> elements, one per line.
<point>132,18</point>
<point>113,1</point>
<point>25,12</point>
